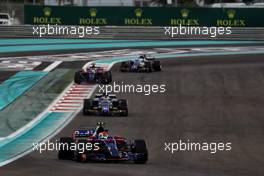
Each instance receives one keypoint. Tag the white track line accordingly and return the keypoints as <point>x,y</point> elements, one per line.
<point>77,91</point>
<point>59,106</point>
<point>52,66</point>
<point>72,98</point>
<point>70,101</point>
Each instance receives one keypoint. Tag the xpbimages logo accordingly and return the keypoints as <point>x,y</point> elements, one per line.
<point>146,89</point>
<point>175,31</point>
<point>188,146</point>
<point>57,146</point>
<point>55,30</point>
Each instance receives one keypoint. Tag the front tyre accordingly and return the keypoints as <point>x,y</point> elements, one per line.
<point>65,153</point>
<point>87,105</point>
<point>81,155</point>
<point>122,105</point>
<point>78,77</point>
<point>140,151</point>
<point>148,67</point>
<point>124,67</point>
<point>107,77</point>
<point>156,65</point>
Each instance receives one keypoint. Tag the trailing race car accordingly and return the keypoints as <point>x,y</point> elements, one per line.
<point>104,104</point>
<point>103,147</point>
<point>93,74</point>
<point>143,63</point>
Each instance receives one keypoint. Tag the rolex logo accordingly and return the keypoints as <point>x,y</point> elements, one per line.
<point>231,13</point>
<point>47,11</point>
<point>138,12</point>
<point>185,13</point>
<point>93,12</point>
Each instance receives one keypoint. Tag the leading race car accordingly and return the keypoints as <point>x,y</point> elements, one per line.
<point>104,147</point>
<point>105,104</point>
<point>93,74</point>
<point>144,63</point>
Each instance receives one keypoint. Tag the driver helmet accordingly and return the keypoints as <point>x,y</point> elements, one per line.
<point>141,57</point>
<point>93,65</point>
<point>103,135</point>
<point>137,60</point>
<point>105,95</point>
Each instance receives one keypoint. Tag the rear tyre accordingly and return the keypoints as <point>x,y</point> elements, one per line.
<point>78,155</point>
<point>65,153</point>
<point>87,105</point>
<point>123,106</point>
<point>125,113</point>
<point>124,67</point>
<point>148,67</point>
<point>78,78</point>
<point>140,147</point>
<point>157,65</point>
<point>107,77</point>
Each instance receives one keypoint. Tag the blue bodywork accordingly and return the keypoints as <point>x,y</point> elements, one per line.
<point>84,133</point>
<point>111,150</point>
<point>135,65</point>
<point>91,75</point>
<point>105,106</point>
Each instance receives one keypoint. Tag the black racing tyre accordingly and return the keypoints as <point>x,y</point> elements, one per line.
<point>107,77</point>
<point>77,156</point>
<point>64,152</point>
<point>78,153</point>
<point>87,105</point>
<point>125,114</point>
<point>78,77</point>
<point>148,67</point>
<point>140,147</point>
<point>115,103</point>
<point>110,77</point>
<point>156,65</point>
<point>124,67</point>
<point>122,105</point>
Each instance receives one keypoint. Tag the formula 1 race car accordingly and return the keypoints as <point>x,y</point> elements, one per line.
<point>143,63</point>
<point>93,74</point>
<point>104,104</point>
<point>102,147</point>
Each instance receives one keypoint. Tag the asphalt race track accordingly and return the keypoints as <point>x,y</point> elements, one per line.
<point>204,101</point>
<point>5,75</point>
